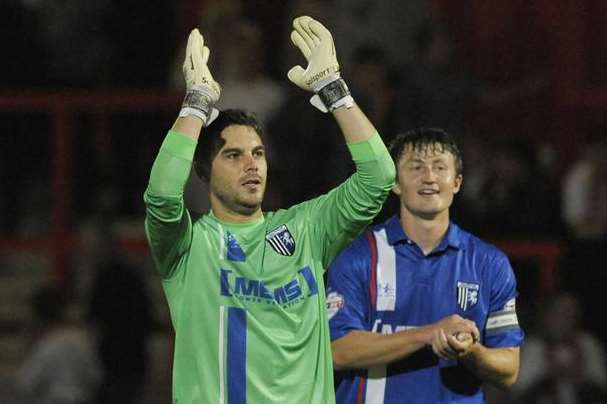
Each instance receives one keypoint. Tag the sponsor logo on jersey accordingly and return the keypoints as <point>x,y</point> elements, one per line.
<point>257,291</point>
<point>381,327</point>
<point>467,295</point>
<point>281,240</point>
<point>235,252</point>
<point>385,290</point>
<point>335,302</point>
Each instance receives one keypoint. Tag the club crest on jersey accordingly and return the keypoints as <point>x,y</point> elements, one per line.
<point>467,295</point>
<point>281,240</point>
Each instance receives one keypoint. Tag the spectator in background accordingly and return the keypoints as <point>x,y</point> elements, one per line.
<point>373,80</point>
<point>584,198</point>
<point>62,367</point>
<point>391,24</point>
<point>244,72</point>
<point>306,137</point>
<point>87,44</point>
<point>584,193</point>
<point>122,310</point>
<point>216,17</point>
<point>436,91</point>
<point>309,140</point>
<point>77,50</point>
<point>510,194</point>
<point>562,362</point>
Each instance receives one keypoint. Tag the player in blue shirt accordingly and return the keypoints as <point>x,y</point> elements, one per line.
<point>420,310</point>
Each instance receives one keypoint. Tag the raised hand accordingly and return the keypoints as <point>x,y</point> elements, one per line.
<point>316,44</point>
<point>203,91</point>
<point>321,75</point>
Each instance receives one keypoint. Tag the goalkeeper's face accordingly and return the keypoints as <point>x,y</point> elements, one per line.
<point>239,172</point>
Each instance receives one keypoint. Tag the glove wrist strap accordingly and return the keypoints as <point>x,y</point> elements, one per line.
<point>333,95</point>
<point>198,102</point>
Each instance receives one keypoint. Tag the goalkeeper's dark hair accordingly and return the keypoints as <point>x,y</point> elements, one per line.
<point>210,141</point>
<point>426,139</point>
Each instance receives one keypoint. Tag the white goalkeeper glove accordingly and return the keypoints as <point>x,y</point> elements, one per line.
<point>322,73</point>
<point>202,90</point>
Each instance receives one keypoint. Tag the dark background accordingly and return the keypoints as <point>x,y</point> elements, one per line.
<point>89,89</point>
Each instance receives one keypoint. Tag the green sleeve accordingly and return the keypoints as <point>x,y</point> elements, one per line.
<point>168,226</point>
<point>344,212</point>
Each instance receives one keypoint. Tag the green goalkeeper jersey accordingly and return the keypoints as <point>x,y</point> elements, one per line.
<point>247,301</point>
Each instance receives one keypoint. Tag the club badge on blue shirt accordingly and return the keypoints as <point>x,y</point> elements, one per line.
<point>281,240</point>
<point>467,295</point>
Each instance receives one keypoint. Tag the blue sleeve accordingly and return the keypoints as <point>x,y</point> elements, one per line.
<point>348,302</point>
<point>502,328</point>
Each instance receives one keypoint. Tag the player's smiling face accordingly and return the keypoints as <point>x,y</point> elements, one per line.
<point>427,181</point>
<point>239,172</point>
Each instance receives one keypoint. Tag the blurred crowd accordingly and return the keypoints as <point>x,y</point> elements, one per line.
<point>403,68</point>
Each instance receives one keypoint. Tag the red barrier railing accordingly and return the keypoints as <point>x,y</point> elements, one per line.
<point>61,108</point>
<point>547,253</point>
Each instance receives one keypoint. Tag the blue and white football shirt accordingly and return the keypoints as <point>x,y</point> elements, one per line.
<point>384,283</point>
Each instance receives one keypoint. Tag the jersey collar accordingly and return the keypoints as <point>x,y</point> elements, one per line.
<point>238,227</point>
<point>396,234</point>
<point>453,239</point>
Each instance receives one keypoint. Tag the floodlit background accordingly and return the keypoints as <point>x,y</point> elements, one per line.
<point>88,90</point>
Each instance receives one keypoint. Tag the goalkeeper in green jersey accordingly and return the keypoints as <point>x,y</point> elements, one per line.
<point>245,287</point>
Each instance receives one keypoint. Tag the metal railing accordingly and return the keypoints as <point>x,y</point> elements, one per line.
<point>62,240</point>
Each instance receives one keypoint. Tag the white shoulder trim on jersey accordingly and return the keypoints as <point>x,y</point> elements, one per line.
<point>386,272</point>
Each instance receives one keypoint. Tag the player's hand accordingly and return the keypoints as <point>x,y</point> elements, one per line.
<point>448,346</point>
<point>316,44</point>
<point>202,90</point>
<point>455,324</point>
<point>461,343</point>
<point>195,69</point>
<point>453,336</point>
<point>440,344</point>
